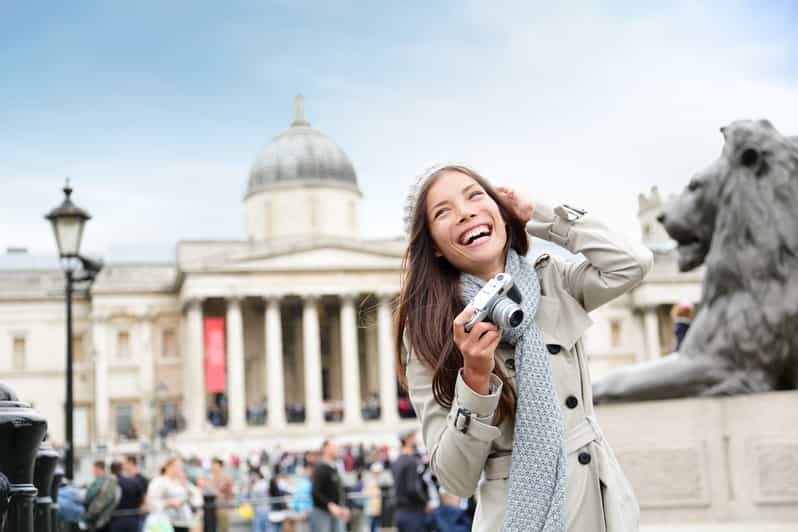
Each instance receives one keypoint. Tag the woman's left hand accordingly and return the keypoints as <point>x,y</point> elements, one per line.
<point>521,206</point>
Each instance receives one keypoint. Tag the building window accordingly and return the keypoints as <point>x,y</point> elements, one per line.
<point>124,422</point>
<point>169,348</point>
<point>123,344</point>
<point>78,350</point>
<point>615,333</point>
<point>19,352</point>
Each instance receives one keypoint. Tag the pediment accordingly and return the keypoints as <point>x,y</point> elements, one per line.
<point>315,258</point>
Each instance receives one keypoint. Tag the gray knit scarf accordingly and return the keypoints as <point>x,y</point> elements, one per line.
<point>536,499</point>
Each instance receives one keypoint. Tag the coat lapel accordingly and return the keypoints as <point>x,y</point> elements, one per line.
<point>562,320</point>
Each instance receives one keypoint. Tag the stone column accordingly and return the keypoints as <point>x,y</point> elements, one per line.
<point>102,406</point>
<point>349,360</point>
<point>147,373</point>
<point>314,416</point>
<point>651,325</point>
<point>235,365</point>
<point>194,406</point>
<point>274,364</point>
<point>388,390</point>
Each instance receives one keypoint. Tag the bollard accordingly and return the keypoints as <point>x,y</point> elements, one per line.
<point>209,512</point>
<point>21,431</point>
<point>43,469</point>
<point>5,493</point>
<point>58,474</point>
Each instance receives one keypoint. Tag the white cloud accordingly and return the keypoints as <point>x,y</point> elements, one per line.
<point>576,106</point>
<point>567,103</point>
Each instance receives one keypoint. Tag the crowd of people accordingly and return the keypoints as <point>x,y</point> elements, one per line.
<point>333,489</point>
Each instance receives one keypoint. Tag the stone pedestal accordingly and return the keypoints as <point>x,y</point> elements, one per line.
<point>710,461</point>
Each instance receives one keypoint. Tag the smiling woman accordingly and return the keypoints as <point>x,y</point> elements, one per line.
<point>508,414</point>
<point>451,203</point>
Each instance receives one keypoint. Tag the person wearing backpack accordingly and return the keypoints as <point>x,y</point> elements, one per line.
<point>101,499</point>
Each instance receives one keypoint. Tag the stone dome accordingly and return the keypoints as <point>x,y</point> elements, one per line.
<point>301,154</point>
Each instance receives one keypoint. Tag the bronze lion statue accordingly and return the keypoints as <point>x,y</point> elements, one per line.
<point>739,217</point>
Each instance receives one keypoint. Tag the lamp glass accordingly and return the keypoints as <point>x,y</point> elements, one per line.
<point>68,234</point>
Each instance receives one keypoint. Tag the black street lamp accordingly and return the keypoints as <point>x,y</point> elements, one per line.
<point>68,221</point>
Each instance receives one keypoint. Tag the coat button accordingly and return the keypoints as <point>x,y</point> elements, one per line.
<point>571,401</point>
<point>584,458</point>
<point>510,364</point>
<point>553,348</point>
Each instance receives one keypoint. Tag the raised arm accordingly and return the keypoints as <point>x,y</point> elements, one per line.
<point>613,265</point>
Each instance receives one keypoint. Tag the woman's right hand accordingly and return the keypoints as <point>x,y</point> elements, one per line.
<point>478,347</point>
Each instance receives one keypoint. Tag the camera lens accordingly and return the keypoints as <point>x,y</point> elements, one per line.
<point>507,313</point>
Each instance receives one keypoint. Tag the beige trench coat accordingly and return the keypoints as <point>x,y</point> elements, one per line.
<point>599,498</point>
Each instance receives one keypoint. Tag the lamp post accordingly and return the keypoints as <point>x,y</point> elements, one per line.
<point>68,221</point>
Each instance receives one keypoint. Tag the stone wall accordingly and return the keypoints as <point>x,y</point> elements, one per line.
<point>710,460</point>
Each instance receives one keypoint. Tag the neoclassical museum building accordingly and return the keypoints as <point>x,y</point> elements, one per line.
<point>282,337</point>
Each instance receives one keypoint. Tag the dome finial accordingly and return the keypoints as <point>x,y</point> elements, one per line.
<point>299,120</point>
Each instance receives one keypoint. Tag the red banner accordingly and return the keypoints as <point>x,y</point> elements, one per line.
<point>215,355</point>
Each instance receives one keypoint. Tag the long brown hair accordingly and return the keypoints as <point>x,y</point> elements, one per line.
<point>429,299</point>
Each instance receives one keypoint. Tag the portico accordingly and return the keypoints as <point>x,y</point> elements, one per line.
<point>294,349</point>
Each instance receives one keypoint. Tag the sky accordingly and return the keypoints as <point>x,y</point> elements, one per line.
<point>157,110</point>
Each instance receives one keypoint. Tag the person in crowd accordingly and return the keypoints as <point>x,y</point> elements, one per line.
<point>373,491</point>
<point>360,458</point>
<point>172,495</point>
<point>278,491</point>
<point>127,516</point>
<point>100,500</point>
<point>490,395</point>
<point>349,459</point>
<point>131,467</point>
<point>425,471</point>
<point>222,483</point>
<point>329,511</point>
<point>450,516</point>
<point>259,495</point>
<point>411,492</point>
<point>253,461</point>
<point>70,504</point>
<point>216,416</point>
<point>355,502</point>
<point>682,315</point>
<point>303,496</point>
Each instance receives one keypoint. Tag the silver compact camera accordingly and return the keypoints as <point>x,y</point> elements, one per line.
<point>498,302</point>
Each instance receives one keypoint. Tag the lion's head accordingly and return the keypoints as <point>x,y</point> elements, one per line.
<point>753,179</point>
<point>690,217</point>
